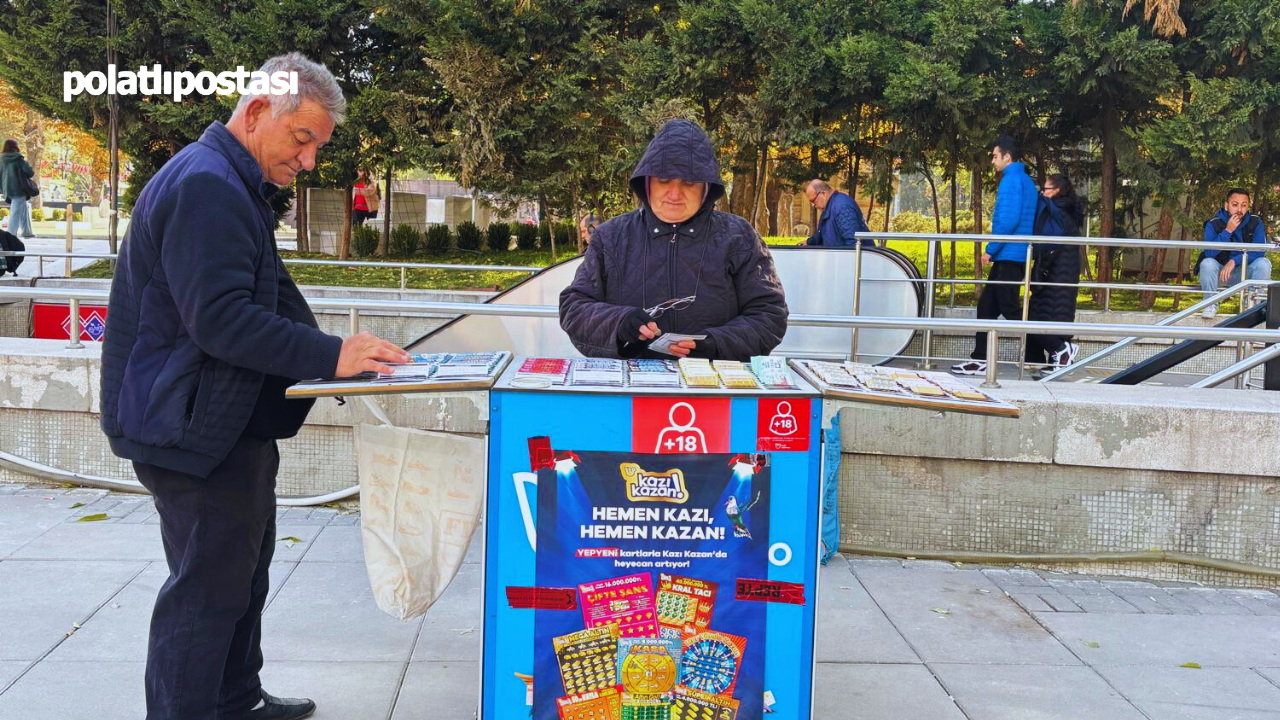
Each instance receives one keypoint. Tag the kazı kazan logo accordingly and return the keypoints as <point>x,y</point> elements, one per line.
<point>154,81</point>
<point>643,486</point>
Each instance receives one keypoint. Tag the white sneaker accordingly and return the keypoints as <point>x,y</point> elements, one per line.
<point>1066,356</point>
<point>1210,312</point>
<point>973,367</point>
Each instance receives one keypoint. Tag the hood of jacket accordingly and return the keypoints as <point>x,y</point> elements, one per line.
<point>680,149</point>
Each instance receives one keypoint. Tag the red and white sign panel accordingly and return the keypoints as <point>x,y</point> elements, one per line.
<point>670,426</point>
<point>782,425</point>
<point>53,322</point>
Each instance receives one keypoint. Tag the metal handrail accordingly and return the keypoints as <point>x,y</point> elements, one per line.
<point>301,261</point>
<point>1070,240</point>
<point>1239,368</point>
<point>1181,315</point>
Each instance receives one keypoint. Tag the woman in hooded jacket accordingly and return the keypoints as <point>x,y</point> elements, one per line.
<point>1058,264</point>
<point>676,265</point>
<point>14,171</point>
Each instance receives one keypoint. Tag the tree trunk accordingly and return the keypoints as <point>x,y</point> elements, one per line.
<point>854,177</point>
<point>954,200</point>
<point>813,173</point>
<point>344,248</point>
<point>1155,271</point>
<point>773,195</point>
<point>33,133</point>
<point>761,185</point>
<point>300,219</point>
<point>384,237</point>
<point>1182,254</point>
<point>1107,226</point>
<point>744,184</point>
<point>933,192</point>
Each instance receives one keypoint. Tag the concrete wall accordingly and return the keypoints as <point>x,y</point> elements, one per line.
<point>1086,469</point>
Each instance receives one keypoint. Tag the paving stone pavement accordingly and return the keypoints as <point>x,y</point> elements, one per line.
<point>79,570</point>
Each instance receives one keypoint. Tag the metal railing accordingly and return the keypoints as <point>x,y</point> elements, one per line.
<point>930,280</point>
<point>403,267</point>
<point>993,327</point>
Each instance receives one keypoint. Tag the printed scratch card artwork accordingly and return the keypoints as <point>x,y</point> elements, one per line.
<point>711,661</point>
<point>602,704</point>
<point>690,704</point>
<point>642,707</point>
<point>588,659</point>
<point>684,606</point>
<point>623,601</point>
<point>648,666</point>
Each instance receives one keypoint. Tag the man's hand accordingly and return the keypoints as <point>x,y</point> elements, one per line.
<point>637,327</point>
<point>366,352</point>
<point>986,259</point>
<point>1226,272</point>
<point>1233,222</point>
<point>683,348</point>
<point>649,331</point>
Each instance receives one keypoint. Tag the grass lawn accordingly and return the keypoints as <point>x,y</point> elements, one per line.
<point>965,295</point>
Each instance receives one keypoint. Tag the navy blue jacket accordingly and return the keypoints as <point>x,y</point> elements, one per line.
<point>637,261</point>
<point>840,219</point>
<point>1211,234</point>
<point>195,313</point>
<point>1014,213</point>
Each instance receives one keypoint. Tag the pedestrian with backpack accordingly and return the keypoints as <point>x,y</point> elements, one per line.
<point>1059,212</point>
<point>18,188</point>
<point>1233,224</point>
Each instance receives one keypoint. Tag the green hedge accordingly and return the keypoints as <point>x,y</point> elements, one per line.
<point>405,241</point>
<point>364,241</point>
<point>469,236</point>
<point>498,237</point>
<point>526,236</point>
<point>439,239</point>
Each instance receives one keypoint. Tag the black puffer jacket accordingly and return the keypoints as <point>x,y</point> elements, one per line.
<point>637,261</point>
<point>1057,264</point>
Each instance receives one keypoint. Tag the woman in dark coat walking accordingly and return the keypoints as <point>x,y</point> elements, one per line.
<point>1055,264</point>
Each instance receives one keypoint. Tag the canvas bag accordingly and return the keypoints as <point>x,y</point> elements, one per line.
<point>420,498</point>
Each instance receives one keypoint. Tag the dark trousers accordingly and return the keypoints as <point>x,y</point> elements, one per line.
<point>1041,348</point>
<point>999,300</point>
<point>206,630</point>
<point>359,216</point>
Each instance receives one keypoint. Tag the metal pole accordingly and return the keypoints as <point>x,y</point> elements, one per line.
<point>73,329</point>
<point>1026,311</point>
<point>40,267</point>
<point>403,270</point>
<point>113,142</point>
<point>1271,373</point>
<point>857,296</point>
<point>1239,369</point>
<point>354,314</point>
<point>1242,347</point>
<point>993,359</point>
<point>930,276</point>
<point>69,214</point>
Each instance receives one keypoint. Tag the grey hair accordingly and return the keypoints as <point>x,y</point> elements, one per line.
<point>820,186</point>
<point>314,82</point>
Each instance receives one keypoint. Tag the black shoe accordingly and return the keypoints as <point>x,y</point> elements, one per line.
<point>280,709</point>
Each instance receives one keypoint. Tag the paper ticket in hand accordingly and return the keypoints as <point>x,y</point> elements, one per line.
<point>664,341</point>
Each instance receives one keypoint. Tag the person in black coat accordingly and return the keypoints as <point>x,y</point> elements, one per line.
<point>1055,264</point>
<point>676,265</point>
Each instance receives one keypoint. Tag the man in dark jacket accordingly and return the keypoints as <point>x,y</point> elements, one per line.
<point>676,266</point>
<point>14,174</point>
<point>207,331</point>
<point>841,217</point>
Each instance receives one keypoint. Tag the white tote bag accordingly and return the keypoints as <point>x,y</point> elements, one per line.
<point>420,499</point>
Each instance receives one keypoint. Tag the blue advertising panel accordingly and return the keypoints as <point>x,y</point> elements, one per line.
<point>650,556</point>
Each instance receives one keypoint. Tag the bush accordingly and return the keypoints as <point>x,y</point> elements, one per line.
<point>526,236</point>
<point>4,212</point>
<point>364,241</point>
<point>498,237</point>
<point>37,214</point>
<point>566,234</point>
<point>914,222</point>
<point>59,214</point>
<point>439,239</point>
<point>469,236</point>
<point>544,235</point>
<point>405,241</point>
<point>78,217</point>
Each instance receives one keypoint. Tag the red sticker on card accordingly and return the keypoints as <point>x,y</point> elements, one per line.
<point>782,425</point>
<point>770,591</point>
<point>540,598</point>
<point>666,426</point>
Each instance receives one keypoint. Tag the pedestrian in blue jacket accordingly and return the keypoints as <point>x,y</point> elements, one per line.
<point>1014,214</point>
<point>1232,224</point>
<point>841,217</point>
<point>207,331</point>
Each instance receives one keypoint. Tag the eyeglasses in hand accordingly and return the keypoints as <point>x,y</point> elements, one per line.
<point>675,304</point>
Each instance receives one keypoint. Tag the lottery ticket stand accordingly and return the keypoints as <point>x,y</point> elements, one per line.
<point>650,553</point>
